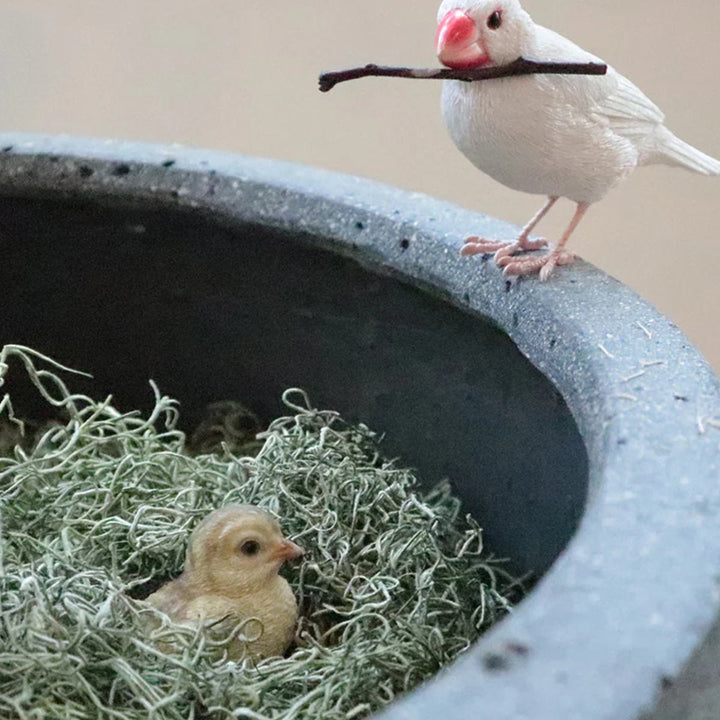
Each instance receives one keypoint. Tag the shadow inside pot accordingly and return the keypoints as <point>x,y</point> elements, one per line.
<point>213,313</point>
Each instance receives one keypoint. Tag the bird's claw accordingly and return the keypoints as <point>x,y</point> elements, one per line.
<point>477,246</point>
<point>543,265</point>
<point>537,244</point>
<point>502,248</point>
<point>505,258</point>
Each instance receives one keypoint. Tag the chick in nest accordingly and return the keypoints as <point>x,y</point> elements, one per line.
<point>231,579</point>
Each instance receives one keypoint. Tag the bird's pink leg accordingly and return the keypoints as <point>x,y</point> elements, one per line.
<point>544,264</point>
<point>505,248</point>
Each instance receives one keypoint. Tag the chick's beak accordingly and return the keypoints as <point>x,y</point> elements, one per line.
<point>457,42</point>
<point>287,550</point>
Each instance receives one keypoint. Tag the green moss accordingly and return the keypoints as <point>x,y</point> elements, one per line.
<point>99,510</point>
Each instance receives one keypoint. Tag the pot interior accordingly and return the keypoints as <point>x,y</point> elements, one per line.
<point>212,313</point>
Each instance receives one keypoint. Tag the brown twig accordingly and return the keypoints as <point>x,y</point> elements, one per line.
<point>517,67</point>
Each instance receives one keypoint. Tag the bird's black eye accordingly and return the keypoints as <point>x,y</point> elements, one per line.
<point>495,20</point>
<point>250,547</point>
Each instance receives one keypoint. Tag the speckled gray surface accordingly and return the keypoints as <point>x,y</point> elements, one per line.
<point>636,590</point>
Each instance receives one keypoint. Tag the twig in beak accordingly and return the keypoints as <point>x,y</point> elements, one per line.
<point>517,67</point>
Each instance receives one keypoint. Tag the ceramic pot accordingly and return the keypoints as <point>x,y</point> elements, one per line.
<point>578,425</point>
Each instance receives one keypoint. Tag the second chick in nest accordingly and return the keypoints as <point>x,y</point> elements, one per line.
<point>231,576</point>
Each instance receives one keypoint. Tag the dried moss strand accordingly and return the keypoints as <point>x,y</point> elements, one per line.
<point>394,584</point>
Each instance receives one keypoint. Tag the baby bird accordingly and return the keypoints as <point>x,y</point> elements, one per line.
<point>572,136</point>
<point>231,575</point>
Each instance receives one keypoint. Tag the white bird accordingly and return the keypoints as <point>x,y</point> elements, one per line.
<point>572,136</point>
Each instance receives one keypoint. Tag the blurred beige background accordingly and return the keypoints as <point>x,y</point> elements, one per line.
<point>240,75</point>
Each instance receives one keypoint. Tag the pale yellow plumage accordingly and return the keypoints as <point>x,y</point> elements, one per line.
<point>231,579</point>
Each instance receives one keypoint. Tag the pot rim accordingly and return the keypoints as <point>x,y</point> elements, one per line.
<point>635,591</point>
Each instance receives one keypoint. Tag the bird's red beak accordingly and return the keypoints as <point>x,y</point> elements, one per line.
<point>457,42</point>
<point>287,550</point>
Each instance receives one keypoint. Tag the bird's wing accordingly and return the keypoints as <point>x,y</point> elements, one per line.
<point>627,110</point>
<point>629,102</point>
<point>610,99</point>
<point>168,598</point>
<point>208,608</point>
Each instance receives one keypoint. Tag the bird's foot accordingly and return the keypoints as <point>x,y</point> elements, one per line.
<point>501,248</point>
<point>543,265</point>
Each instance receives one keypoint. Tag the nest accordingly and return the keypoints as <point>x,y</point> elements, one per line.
<point>98,511</point>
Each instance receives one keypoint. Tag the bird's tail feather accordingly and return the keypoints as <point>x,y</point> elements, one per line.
<point>671,150</point>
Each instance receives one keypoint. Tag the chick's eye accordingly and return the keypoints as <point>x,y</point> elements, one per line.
<point>495,20</point>
<point>250,547</point>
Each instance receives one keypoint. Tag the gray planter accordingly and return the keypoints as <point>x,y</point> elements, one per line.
<point>578,424</point>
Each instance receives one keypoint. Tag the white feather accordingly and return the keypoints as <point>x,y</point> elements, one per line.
<point>573,136</point>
